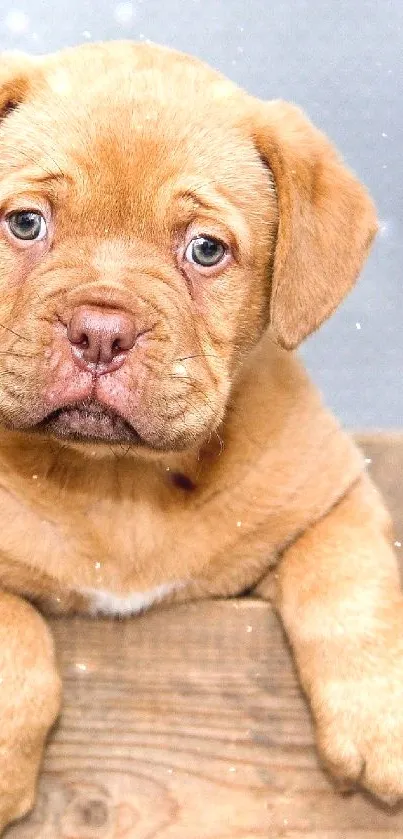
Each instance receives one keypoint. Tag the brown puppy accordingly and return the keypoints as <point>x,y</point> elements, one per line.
<point>165,242</point>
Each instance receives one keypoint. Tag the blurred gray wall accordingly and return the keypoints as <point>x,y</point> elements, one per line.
<point>342,60</point>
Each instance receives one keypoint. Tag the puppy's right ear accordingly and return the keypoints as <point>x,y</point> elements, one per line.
<point>16,71</point>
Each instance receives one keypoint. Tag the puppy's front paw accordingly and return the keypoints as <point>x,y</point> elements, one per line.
<point>360,731</point>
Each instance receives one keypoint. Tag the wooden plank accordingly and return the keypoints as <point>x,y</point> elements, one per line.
<point>188,723</point>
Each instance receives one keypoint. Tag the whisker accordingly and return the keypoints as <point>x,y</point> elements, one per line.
<point>37,295</point>
<point>55,163</point>
<point>13,332</point>
<point>221,442</point>
<point>194,384</point>
<point>126,450</point>
<point>113,452</point>
<point>41,166</point>
<point>196,355</point>
<point>9,373</point>
<point>11,354</point>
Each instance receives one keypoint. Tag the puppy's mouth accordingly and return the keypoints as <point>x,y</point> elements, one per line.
<point>89,421</point>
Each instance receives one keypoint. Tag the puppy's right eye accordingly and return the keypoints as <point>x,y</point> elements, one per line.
<point>27,226</point>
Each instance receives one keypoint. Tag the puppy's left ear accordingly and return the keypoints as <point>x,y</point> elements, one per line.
<point>326,221</point>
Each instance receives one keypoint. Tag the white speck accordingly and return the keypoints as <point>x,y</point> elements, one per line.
<point>285,822</point>
<point>240,50</point>
<point>383,134</point>
<point>387,227</point>
<point>34,477</point>
<point>142,36</point>
<point>179,370</point>
<point>232,769</point>
<point>97,565</point>
<point>249,628</point>
<point>58,600</point>
<point>17,21</point>
<point>384,165</point>
<point>233,62</point>
<point>170,771</point>
<point>240,28</point>
<point>239,524</point>
<point>168,469</point>
<point>81,667</point>
<point>124,13</point>
<point>358,325</point>
<point>398,544</point>
<point>87,35</point>
<point>368,460</point>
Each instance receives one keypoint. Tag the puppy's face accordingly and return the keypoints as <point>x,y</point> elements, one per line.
<point>154,220</point>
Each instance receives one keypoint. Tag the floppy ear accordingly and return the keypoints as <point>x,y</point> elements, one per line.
<point>326,222</point>
<point>16,71</point>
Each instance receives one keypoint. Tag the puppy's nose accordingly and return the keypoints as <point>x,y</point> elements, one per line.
<point>100,338</point>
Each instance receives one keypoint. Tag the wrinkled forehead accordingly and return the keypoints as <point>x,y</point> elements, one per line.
<point>124,130</point>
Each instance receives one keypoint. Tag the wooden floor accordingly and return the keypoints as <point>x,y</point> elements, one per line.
<point>188,724</point>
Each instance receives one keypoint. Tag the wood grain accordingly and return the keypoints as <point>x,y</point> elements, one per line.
<point>188,723</point>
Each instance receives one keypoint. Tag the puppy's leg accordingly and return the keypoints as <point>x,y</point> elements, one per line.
<point>29,703</point>
<point>340,601</point>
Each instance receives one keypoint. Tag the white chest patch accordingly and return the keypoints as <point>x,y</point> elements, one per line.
<point>106,603</point>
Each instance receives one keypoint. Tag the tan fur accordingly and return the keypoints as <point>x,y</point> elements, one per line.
<point>127,150</point>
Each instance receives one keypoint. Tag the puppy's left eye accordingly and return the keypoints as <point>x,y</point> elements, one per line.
<point>27,225</point>
<point>205,251</point>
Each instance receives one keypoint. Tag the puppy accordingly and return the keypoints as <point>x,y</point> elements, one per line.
<point>166,241</point>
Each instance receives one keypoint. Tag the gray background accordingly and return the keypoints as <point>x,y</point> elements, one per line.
<point>342,60</point>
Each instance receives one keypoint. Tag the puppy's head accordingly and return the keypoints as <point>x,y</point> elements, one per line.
<point>154,220</point>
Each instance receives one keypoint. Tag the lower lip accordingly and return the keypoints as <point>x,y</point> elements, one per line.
<point>94,425</point>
